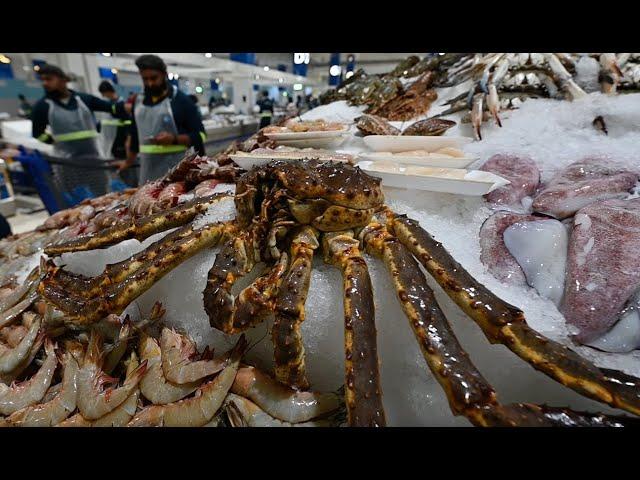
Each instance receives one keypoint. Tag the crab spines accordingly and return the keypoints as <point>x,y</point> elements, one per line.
<point>363,391</point>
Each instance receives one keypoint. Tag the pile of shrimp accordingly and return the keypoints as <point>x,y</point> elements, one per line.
<point>117,373</point>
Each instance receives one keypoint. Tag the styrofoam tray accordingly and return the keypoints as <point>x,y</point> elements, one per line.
<point>427,161</point>
<point>306,135</point>
<point>445,180</point>
<point>401,143</point>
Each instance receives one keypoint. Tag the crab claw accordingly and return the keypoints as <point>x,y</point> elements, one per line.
<point>493,102</point>
<point>476,116</point>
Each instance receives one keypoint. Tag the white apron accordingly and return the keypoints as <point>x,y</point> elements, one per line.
<point>156,160</point>
<point>75,135</point>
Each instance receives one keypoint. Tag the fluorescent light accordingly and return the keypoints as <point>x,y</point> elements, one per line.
<point>335,70</point>
<point>208,55</point>
<point>199,89</point>
<point>105,54</point>
<point>114,71</point>
<point>266,69</point>
<point>297,86</point>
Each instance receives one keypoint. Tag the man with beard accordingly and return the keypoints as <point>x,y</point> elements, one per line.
<point>73,132</point>
<point>165,122</point>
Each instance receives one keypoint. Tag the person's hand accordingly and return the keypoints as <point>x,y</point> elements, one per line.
<point>165,138</point>
<point>122,165</point>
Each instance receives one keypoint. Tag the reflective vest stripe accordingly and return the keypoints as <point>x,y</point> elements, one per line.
<point>118,123</point>
<point>203,136</point>
<point>72,136</point>
<point>162,148</point>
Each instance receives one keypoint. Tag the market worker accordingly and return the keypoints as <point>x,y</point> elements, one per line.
<point>165,122</point>
<point>69,116</point>
<point>266,110</point>
<point>113,131</point>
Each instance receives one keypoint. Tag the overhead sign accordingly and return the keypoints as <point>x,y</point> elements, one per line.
<point>301,58</point>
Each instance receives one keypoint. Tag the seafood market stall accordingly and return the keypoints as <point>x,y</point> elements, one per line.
<point>450,244</point>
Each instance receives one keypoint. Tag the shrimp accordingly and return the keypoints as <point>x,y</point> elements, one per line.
<point>176,364</point>
<point>94,403</point>
<point>13,334</point>
<point>16,295</point>
<point>12,313</point>
<point>199,410</point>
<point>121,415</point>
<point>76,420</point>
<point>12,358</point>
<point>119,348</point>
<point>56,410</point>
<point>154,387</point>
<point>31,391</point>
<point>242,412</point>
<point>280,401</point>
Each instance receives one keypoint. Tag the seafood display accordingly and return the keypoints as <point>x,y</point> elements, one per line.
<point>370,124</point>
<point>619,73</point>
<point>297,126</point>
<point>585,265</point>
<point>502,81</point>
<point>112,374</point>
<point>285,212</point>
<point>266,286</point>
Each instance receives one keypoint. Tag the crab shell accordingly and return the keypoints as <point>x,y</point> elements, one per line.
<point>375,125</point>
<point>329,196</point>
<point>429,127</point>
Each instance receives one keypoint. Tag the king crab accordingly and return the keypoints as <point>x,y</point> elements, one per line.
<point>287,211</point>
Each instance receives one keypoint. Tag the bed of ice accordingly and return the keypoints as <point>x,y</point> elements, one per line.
<point>554,134</point>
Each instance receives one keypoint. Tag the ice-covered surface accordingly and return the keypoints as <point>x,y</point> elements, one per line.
<point>221,211</point>
<point>339,111</point>
<point>554,134</point>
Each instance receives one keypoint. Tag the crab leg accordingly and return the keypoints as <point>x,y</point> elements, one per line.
<point>530,415</point>
<point>469,394</point>
<point>504,323</point>
<point>116,298</point>
<point>140,228</point>
<point>463,384</point>
<point>287,339</point>
<point>237,258</point>
<point>363,394</point>
<point>117,272</point>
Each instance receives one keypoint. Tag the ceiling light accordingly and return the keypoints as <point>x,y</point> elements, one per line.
<point>208,55</point>
<point>199,89</point>
<point>105,54</point>
<point>297,86</point>
<point>266,69</point>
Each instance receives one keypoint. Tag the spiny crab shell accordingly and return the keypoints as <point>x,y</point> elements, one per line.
<point>330,196</point>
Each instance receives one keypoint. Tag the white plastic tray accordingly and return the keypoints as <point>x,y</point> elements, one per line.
<point>445,180</point>
<point>401,143</point>
<point>430,161</point>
